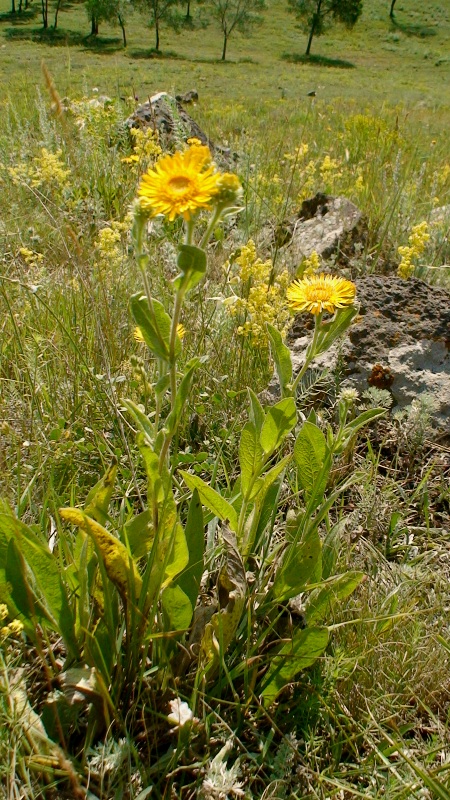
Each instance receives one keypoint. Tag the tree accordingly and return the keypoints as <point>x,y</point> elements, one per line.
<point>236,15</point>
<point>112,11</point>
<point>162,12</point>
<point>318,15</point>
<point>391,12</point>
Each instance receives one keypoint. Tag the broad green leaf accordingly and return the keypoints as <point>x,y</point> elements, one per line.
<point>179,554</point>
<point>329,331</point>
<point>211,499</point>
<point>231,590</point>
<point>189,579</point>
<point>363,419</point>
<point>330,548</point>
<point>310,450</point>
<point>140,534</point>
<point>256,412</point>
<point>303,650</point>
<point>282,357</point>
<point>265,505</point>
<point>99,498</point>
<point>271,476</point>
<point>177,608</point>
<point>279,421</point>
<point>321,602</point>
<point>250,457</point>
<point>154,323</point>
<point>301,565</point>
<point>157,484</point>
<point>192,265</point>
<point>22,588</point>
<point>33,573</point>
<point>119,565</point>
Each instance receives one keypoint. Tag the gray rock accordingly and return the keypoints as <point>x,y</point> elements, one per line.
<point>188,97</point>
<point>166,115</point>
<point>400,341</point>
<point>325,224</point>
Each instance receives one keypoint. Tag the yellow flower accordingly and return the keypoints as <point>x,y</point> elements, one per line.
<point>229,190</point>
<point>179,185</point>
<point>317,293</point>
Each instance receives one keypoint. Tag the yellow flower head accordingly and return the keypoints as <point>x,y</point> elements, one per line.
<point>317,293</point>
<point>229,190</point>
<point>179,185</point>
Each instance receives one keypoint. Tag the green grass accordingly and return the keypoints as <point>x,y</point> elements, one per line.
<point>394,63</point>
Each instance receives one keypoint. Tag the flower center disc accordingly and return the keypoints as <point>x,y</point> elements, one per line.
<point>179,184</point>
<point>318,293</point>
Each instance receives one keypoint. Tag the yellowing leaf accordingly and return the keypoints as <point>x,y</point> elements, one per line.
<point>120,567</point>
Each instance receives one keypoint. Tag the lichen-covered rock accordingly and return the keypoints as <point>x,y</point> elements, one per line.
<point>165,114</point>
<point>399,341</point>
<point>324,224</point>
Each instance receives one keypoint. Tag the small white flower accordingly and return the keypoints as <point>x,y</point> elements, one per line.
<point>180,713</point>
<point>221,782</point>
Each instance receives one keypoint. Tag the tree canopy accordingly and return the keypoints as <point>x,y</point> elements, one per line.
<point>318,15</point>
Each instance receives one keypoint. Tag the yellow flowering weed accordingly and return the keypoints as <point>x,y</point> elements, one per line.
<point>318,293</point>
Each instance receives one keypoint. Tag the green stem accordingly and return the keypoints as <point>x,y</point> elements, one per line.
<point>190,226</point>
<point>209,230</point>
<point>310,353</point>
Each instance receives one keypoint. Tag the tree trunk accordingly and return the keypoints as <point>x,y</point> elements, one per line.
<point>55,21</point>
<point>224,51</point>
<point>188,10</point>
<point>124,35</point>
<point>157,35</point>
<point>391,13</point>
<point>20,6</point>
<point>315,20</point>
<point>13,6</point>
<point>94,25</point>
<point>44,13</point>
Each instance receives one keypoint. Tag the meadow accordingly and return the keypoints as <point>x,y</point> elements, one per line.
<point>205,593</point>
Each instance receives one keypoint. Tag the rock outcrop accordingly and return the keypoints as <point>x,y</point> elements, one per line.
<point>400,341</point>
<point>325,224</point>
<point>165,114</point>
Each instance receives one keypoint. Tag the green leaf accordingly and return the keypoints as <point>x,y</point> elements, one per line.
<point>36,581</point>
<point>250,457</point>
<point>139,534</point>
<point>256,413</point>
<point>154,325</point>
<point>364,419</point>
<point>179,554</point>
<point>189,579</point>
<point>192,266</point>
<point>282,357</point>
<point>177,609</point>
<point>303,650</point>
<point>330,548</point>
<point>330,331</point>
<point>321,601</point>
<point>211,499</point>
<point>279,421</point>
<point>301,565</point>
<point>310,450</point>
<point>173,420</point>
<point>99,498</point>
